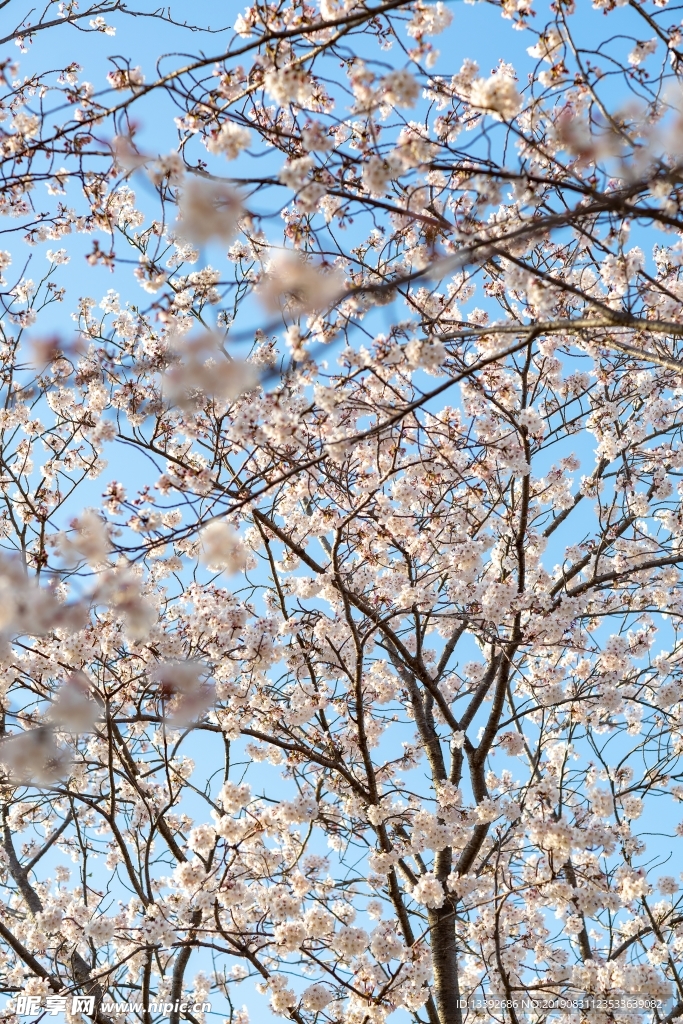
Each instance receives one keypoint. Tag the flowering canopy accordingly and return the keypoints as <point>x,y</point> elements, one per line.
<point>410,551</point>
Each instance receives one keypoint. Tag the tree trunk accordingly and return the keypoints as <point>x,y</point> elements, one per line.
<point>445,963</point>
<point>444,948</point>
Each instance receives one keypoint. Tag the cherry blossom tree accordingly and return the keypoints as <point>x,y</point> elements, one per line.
<point>340,583</point>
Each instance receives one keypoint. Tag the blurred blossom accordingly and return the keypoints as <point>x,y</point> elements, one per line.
<point>222,548</point>
<point>184,684</point>
<point>46,350</point>
<point>28,608</point>
<point>73,709</point>
<point>88,539</point>
<point>203,367</point>
<point>126,153</point>
<point>121,590</point>
<point>208,209</point>
<point>292,283</point>
<point>34,757</point>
